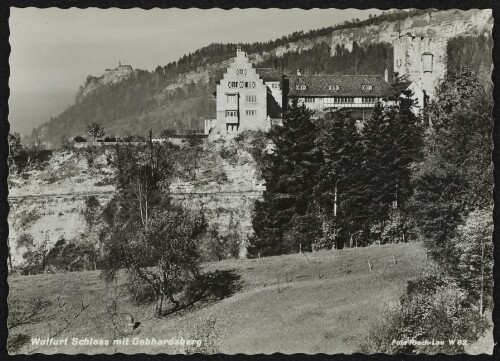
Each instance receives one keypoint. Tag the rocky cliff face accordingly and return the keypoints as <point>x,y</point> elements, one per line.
<point>445,24</point>
<point>110,76</point>
<point>48,203</point>
<point>442,24</point>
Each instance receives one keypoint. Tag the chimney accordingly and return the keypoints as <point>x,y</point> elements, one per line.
<point>238,50</point>
<point>299,72</point>
<point>386,75</point>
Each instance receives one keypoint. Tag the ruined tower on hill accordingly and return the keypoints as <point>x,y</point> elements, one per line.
<point>422,60</point>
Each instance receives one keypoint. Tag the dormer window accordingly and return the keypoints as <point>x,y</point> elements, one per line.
<point>367,87</point>
<point>301,87</point>
<point>334,87</point>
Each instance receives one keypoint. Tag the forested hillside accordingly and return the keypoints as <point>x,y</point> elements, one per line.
<point>180,95</point>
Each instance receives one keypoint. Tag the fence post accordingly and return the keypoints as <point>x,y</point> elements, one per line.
<point>370,265</point>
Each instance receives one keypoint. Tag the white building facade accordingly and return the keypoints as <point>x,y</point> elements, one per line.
<point>246,100</point>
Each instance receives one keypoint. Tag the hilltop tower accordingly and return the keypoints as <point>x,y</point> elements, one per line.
<point>422,59</point>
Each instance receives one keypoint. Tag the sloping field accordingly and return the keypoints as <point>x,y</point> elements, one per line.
<point>321,302</point>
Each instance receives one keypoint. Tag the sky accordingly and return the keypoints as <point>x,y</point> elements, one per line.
<point>53,50</point>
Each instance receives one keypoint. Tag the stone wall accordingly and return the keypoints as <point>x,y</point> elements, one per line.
<point>422,60</point>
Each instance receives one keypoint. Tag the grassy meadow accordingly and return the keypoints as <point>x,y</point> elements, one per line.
<point>320,302</point>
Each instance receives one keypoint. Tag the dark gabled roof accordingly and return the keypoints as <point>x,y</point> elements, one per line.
<point>270,74</point>
<point>348,85</point>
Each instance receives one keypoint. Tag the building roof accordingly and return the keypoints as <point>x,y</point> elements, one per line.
<point>270,74</point>
<point>338,85</point>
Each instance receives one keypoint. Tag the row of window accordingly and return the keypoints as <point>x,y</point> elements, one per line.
<point>233,98</point>
<point>340,100</point>
<point>234,113</point>
<point>241,84</point>
<point>427,62</point>
<point>335,87</point>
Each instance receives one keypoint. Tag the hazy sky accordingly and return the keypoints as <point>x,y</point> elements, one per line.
<point>53,50</point>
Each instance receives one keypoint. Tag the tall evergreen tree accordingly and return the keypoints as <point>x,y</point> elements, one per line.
<point>285,218</point>
<point>339,190</point>
<point>393,140</point>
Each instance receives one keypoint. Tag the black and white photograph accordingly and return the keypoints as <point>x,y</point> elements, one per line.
<point>250,181</point>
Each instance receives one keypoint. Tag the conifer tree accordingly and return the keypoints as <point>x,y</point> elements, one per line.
<point>282,220</point>
<point>393,140</point>
<point>339,190</point>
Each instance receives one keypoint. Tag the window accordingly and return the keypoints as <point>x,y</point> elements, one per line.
<point>427,62</point>
<point>343,100</point>
<point>251,98</point>
<point>328,101</point>
<point>334,87</point>
<point>399,62</point>
<point>231,113</point>
<point>241,72</point>
<point>309,100</point>
<point>251,113</point>
<point>300,87</point>
<point>232,98</point>
<point>369,100</point>
<point>232,84</point>
<point>367,87</point>
<point>275,85</point>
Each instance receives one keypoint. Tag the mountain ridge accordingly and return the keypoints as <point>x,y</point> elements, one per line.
<point>179,95</point>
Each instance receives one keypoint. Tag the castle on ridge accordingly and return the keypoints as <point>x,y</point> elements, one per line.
<point>249,98</point>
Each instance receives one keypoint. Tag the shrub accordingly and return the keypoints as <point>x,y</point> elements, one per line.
<point>473,247</point>
<point>229,154</point>
<point>433,308</point>
<point>168,133</point>
<point>79,139</point>
<point>38,156</point>
<point>27,218</point>
<point>134,138</point>
<point>25,240</point>
<point>68,145</point>
<point>91,153</point>
<point>216,247</point>
<point>71,256</point>
<point>140,292</point>
<point>110,139</point>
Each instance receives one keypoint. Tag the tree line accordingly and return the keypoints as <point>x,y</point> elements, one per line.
<point>330,184</point>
